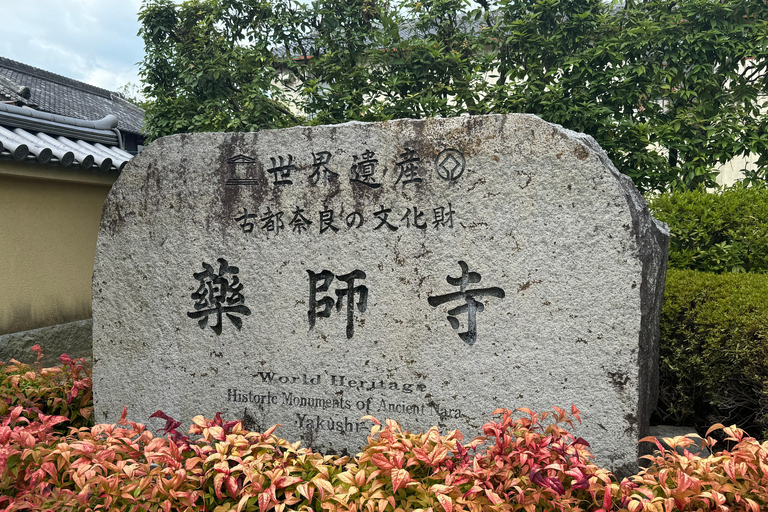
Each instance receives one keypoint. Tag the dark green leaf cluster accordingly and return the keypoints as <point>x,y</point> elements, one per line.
<point>725,231</point>
<point>208,68</point>
<point>669,88</point>
<point>713,365</point>
<point>664,86</point>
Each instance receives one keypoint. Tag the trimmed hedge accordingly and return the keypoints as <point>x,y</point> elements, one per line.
<point>714,356</point>
<point>724,231</point>
<point>713,350</point>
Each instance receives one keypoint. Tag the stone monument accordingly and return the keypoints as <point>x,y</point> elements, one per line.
<point>428,271</point>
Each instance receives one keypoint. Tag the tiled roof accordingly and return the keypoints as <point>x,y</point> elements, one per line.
<point>28,135</point>
<point>49,92</point>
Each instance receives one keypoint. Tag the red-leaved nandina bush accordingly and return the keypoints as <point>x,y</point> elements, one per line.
<point>59,391</point>
<point>729,480</point>
<point>525,461</point>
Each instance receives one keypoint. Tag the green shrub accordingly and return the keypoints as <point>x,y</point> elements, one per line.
<point>725,231</point>
<point>713,350</point>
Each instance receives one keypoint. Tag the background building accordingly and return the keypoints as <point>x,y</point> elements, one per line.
<point>63,144</point>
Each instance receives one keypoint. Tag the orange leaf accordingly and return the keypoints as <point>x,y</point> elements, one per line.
<point>360,478</point>
<point>323,485</point>
<point>217,433</point>
<point>716,426</point>
<point>271,430</point>
<point>306,490</point>
<point>400,477</point>
<point>751,505</point>
<point>264,501</point>
<point>440,489</point>
<point>382,461</point>
<point>719,498</point>
<point>493,497</point>
<point>200,421</point>
<point>84,496</point>
<point>243,502</point>
<point>439,454</point>
<point>374,420</point>
<point>651,439</point>
<point>446,502</point>
<point>218,481</point>
<point>285,481</point>
<point>232,486</point>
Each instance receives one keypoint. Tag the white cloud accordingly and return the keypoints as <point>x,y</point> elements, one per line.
<point>94,41</point>
<point>110,79</point>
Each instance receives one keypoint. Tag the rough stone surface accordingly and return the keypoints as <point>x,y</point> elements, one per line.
<point>72,338</point>
<point>517,226</point>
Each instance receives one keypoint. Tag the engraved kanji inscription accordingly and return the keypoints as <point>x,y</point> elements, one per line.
<point>443,216</point>
<point>408,167</point>
<point>364,170</point>
<point>320,165</point>
<point>471,306</point>
<point>281,170</point>
<point>326,276</point>
<point>417,215</point>
<point>326,221</point>
<point>244,221</point>
<point>382,215</point>
<point>272,222</point>
<point>219,293</point>
<point>450,164</point>
<point>349,294</point>
<point>380,219</point>
<point>321,307</point>
<point>299,222</point>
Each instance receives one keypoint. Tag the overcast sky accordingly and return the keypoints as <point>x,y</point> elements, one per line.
<point>93,41</point>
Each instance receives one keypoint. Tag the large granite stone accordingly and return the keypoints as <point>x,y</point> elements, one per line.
<point>428,271</point>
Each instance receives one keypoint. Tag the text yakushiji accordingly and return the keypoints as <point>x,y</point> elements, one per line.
<point>355,296</point>
<point>220,292</point>
<point>467,301</point>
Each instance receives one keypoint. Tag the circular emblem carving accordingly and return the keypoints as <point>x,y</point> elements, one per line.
<point>450,164</point>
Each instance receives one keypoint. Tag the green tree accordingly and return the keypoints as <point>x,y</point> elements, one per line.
<point>669,88</point>
<point>208,66</point>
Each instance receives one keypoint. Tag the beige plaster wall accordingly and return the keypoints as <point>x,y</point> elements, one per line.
<point>49,220</point>
<point>731,172</point>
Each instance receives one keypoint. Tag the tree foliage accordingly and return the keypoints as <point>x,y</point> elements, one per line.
<point>669,88</point>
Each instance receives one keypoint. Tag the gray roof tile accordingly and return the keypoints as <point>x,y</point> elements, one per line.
<point>64,96</point>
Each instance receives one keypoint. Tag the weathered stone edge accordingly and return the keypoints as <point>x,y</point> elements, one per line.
<point>72,338</point>
<point>653,255</point>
